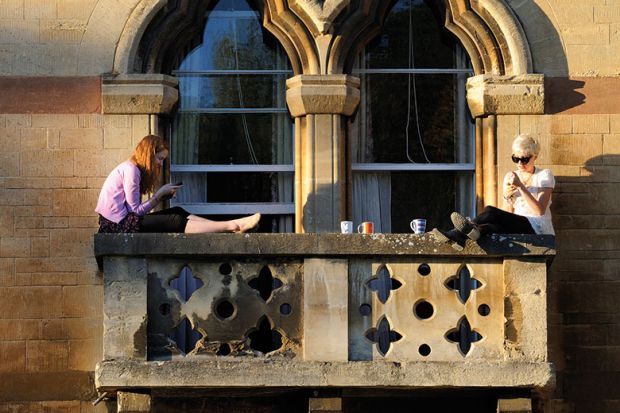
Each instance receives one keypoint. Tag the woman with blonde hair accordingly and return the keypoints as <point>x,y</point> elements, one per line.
<point>120,205</point>
<point>526,194</point>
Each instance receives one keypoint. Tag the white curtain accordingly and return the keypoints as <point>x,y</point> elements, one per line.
<point>372,191</point>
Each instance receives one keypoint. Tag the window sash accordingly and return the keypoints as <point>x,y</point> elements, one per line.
<point>371,167</point>
<point>238,208</point>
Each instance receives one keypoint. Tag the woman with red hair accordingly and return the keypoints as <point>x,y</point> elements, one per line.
<point>120,205</point>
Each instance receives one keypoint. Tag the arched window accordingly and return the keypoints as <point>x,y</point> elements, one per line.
<point>412,138</point>
<point>232,138</point>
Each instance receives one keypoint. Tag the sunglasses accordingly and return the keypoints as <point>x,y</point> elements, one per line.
<point>524,159</point>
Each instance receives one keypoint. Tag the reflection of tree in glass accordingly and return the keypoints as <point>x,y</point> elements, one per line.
<point>240,48</point>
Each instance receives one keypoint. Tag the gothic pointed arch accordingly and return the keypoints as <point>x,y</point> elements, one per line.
<point>488,29</point>
<point>322,37</point>
<point>492,35</point>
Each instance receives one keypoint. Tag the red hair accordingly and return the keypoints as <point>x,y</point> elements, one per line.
<point>144,157</point>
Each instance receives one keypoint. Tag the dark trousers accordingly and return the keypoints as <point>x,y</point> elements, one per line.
<point>166,220</point>
<point>497,221</point>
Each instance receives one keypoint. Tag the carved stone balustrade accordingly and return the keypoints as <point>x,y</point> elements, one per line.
<point>276,311</point>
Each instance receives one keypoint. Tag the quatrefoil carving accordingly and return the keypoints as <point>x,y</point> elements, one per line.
<point>383,283</point>
<point>265,283</point>
<point>463,335</point>
<point>463,283</point>
<point>383,336</point>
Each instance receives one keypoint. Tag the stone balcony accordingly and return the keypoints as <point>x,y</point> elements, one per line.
<point>192,313</point>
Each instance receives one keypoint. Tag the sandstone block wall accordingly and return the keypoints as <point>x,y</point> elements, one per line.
<point>51,167</point>
<point>51,328</point>
<point>583,151</point>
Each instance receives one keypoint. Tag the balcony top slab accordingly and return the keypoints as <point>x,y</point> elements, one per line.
<point>230,373</point>
<point>317,244</point>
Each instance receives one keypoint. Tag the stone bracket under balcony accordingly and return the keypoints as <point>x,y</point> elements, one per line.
<point>242,311</point>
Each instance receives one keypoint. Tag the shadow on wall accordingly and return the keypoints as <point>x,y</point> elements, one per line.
<point>549,55</point>
<point>317,210</point>
<point>584,285</point>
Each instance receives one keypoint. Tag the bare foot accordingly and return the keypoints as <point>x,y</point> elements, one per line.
<point>247,223</point>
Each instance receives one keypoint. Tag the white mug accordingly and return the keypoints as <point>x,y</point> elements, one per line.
<point>418,225</point>
<point>346,227</point>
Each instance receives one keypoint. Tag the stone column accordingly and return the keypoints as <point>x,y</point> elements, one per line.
<point>128,402</point>
<point>319,104</point>
<point>489,96</point>
<point>325,405</point>
<point>514,405</point>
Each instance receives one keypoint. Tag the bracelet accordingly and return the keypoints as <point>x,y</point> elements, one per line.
<point>507,198</point>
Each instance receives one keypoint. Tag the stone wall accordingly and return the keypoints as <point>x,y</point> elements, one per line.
<point>51,168</point>
<point>584,153</point>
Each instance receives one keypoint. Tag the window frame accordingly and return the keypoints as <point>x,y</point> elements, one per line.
<point>237,208</point>
<point>420,166</point>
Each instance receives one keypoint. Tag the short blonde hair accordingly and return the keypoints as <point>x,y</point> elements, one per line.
<point>525,143</point>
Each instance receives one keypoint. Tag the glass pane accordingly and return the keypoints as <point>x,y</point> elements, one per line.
<point>232,91</point>
<point>432,46</point>
<point>430,195</point>
<point>232,138</point>
<point>430,106</point>
<point>234,187</point>
<point>234,40</point>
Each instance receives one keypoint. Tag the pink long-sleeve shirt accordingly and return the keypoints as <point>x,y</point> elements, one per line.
<point>120,194</point>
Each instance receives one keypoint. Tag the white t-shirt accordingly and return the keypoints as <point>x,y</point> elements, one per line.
<point>542,178</point>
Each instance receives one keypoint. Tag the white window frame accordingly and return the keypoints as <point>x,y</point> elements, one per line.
<point>424,167</point>
<point>236,208</point>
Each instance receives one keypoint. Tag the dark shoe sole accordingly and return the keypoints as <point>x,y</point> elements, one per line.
<point>465,226</point>
<point>440,236</point>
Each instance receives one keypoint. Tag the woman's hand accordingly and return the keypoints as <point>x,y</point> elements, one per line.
<point>511,185</point>
<point>167,191</point>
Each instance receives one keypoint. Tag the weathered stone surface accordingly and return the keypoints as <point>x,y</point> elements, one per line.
<point>325,405</point>
<point>334,245</point>
<point>139,94</point>
<point>312,94</point>
<point>265,373</point>
<point>124,317</point>
<point>133,402</point>
<point>506,95</point>
<point>325,309</point>
<point>514,406</point>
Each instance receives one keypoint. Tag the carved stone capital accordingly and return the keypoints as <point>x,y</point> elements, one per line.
<point>326,94</point>
<point>139,94</point>
<point>506,95</point>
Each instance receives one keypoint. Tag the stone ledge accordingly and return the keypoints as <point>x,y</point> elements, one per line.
<point>227,373</point>
<point>310,245</point>
<point>322,94</point>
<point>139,94</point>
<point>506,95</point>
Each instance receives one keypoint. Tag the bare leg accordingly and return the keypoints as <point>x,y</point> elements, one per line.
<point>199,225</point>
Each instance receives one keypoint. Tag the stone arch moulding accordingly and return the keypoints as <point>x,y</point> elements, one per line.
<point>490,32</point>
<point>132,33</point>
<point>492,35</point>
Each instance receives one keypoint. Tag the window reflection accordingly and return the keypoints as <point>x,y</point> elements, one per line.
<point>412,139</point>
<point>233,113</point>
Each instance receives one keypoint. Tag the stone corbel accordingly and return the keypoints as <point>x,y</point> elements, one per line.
<point>326,94</point>
<point>489,94</point>
<point>139,94</point>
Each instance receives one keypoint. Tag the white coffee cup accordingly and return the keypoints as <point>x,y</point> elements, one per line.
<point>346,227</point>
<point>418,225</point>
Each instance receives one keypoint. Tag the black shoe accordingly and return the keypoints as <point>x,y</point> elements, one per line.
<point>450,237</point>
<point>465,226</point>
